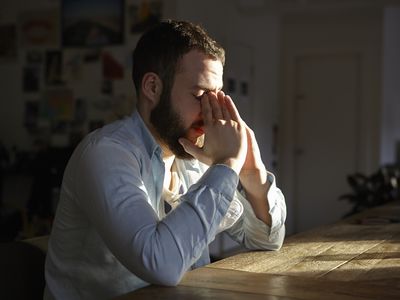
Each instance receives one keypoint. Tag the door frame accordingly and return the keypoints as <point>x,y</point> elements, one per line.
<point>338,208</point>
<point>369,120</point>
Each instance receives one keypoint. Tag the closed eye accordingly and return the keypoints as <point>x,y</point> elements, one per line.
<point>198,98</point>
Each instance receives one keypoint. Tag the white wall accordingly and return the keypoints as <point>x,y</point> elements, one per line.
<point>390,130</point>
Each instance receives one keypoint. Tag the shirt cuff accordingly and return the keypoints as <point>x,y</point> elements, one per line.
<point>277,211</point>
<point>275,200</point>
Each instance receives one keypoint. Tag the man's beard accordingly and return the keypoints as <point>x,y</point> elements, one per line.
<point>169,126</point>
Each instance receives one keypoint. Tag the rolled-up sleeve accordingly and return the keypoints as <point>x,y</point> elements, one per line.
<point>253,233</point>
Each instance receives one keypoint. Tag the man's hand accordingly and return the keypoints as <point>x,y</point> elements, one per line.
<point>225,134</point>
<point>253,178</point>
<point>253,175</point>
<point>229,140</point>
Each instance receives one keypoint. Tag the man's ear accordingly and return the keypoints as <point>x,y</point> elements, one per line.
<point>151,88</point>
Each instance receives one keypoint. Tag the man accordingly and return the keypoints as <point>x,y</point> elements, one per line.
<point>143,197</point>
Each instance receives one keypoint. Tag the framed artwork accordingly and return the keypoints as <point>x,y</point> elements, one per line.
<point>88,23</point>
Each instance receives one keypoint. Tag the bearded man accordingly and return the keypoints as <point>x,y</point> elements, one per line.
<point>143,197</point>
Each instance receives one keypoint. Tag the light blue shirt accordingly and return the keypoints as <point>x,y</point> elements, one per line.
<point>111,234</point>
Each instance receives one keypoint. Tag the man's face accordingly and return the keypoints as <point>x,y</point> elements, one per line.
<point>179,114</point>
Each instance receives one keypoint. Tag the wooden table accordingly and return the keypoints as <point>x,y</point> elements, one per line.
<point>358,258</point>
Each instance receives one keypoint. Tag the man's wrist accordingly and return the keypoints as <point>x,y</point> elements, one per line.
<point>259,176</point>
<point>231,163</point>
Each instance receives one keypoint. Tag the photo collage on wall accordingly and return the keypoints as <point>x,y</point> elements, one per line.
<point>75,63</point>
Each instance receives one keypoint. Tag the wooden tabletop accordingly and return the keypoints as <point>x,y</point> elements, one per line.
<point>213,283</point>
<point>358,258</point>
<point>346,251</point>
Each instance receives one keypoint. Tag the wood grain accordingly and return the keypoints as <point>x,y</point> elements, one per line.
<point>353,259</point>
<point>212,283</point>
<point>346,251</point>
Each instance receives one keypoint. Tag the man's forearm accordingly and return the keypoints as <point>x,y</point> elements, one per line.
<point>256,187</point>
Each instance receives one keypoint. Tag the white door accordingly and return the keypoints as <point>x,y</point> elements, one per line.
<point>326,118</point>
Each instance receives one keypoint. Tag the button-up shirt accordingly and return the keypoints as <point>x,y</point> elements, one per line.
<point>111,234</point>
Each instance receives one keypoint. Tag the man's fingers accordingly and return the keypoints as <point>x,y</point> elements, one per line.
<point>218,107</point>
<point>215,106</point>
<point>232,109</point>
<point>226,115</point>
<point>206,110</point>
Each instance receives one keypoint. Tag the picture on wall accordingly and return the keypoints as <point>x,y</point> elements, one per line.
<point>31,115</point>
<point>34,57</point>
<point>54,67</point>
<point>8,45</point>
<point>39,28</point>
<point>88,23</point>
<point>31,79</point>
<point>144,14</point>
<point>58,105</point>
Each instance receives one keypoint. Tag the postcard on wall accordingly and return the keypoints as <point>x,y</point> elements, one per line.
<point>31,115</point>
<point>92,22</point>
<point>58,105</point>
<point>144,14</point>
<point>54,63</point>
<point>39,28</point>
<point>81,111</point>
<point>8,42</point>
<point>112,69</point>
<point>72,68</point>
<point>31,79</point>
<point>34,57</point>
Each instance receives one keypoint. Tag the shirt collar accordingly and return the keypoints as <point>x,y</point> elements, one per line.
<point>149,142</point>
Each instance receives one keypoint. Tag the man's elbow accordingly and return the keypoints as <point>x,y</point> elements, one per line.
<point>167,272</point>
<point>275,245</point>
<point>166,278</point>
<point>273,242</point>
<point>276,240</point>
